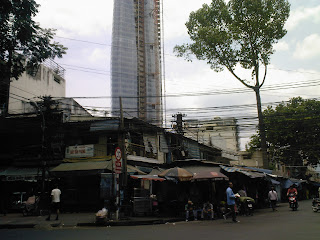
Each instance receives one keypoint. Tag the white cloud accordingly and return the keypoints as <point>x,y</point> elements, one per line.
<point>176,14</point>
<point>302,14</point>
<point>281,46</point>
<point>79,17</point>
<point>98,55</point>
<point>308,48</point>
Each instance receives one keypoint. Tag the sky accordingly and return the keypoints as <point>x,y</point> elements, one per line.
<point>191,88</point>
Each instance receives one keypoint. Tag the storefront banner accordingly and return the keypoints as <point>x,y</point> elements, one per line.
<point>80,151</point>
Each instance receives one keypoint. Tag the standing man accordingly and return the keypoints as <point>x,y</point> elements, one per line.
<point>55,204</point>
<point>273,197</point>
<point>231,201</point>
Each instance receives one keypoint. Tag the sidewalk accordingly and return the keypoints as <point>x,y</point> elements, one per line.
<point>16,220</point>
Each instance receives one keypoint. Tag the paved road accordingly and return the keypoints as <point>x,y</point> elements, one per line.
<point>265,224</point>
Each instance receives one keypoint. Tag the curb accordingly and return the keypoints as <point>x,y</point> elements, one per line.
<point>128,223</point>
<point>15,226</point>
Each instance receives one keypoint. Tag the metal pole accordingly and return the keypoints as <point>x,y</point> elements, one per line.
<point>118,198</point>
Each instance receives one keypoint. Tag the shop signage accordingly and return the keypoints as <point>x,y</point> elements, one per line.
<point>118,163</point>
<point>80,151</point>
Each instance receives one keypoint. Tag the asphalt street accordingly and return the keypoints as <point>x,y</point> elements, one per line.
<point>264,224</point>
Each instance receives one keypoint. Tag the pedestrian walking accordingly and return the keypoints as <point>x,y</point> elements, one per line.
<point>55,202</point>
<point>273,198</point>
<point>231,201</point>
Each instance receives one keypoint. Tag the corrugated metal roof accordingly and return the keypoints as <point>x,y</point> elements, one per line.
<point>142,159</point>
<point>107,125</point>
<point>249,173</point>
<point>21,174</point>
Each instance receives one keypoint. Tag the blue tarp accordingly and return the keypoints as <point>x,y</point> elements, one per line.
<point>274,182</point>
<point>288,182</point>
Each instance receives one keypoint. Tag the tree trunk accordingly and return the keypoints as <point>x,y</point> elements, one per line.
<point>5,85</point>
<point>4,94</point>
<point>262,130</point>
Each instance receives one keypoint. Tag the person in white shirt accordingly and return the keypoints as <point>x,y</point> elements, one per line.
<point>273,197</point>
<point>55,204</point>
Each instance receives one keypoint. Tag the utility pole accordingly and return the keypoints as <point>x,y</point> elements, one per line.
<point>43,148</point>
<point>120,155</point>
<point>179,122</point>
<point>122,146</point>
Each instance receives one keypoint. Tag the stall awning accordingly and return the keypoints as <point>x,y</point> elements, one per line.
<point>142,159</point>
<point>148,177</point>
<point>250,174</point>
<point>230,169</point>
<point>92,166</point>
<point>80,166</point>
<point>198,169</point>
<point>20,174</point>
<point>288,182</point>
<point>274,182</point>
<point>133,170</point>
<point>268,171</point>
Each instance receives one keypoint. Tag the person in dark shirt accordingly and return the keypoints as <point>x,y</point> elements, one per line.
<point>207,210</point>
<point>189,208</point>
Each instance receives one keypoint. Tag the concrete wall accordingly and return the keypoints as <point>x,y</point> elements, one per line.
<point>218,132</point>
<point>254,161</point>
<point>29,88</point>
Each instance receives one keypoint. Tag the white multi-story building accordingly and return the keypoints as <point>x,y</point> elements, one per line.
<point>47,80</point>
<point>218,132</point>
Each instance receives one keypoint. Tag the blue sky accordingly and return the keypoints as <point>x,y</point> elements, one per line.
<point>86,29</point>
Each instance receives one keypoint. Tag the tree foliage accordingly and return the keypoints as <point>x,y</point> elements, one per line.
<point>242,31</point>
<point>23,43</point>
<point>238,32</point>
<point>292,131</point>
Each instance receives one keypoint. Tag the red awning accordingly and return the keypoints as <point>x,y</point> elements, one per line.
<point>148,177</point>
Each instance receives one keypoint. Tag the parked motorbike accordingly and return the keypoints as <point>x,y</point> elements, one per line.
<point>30,207</point>
<point>293,204</point>
<point>245,206</point>
<point>316,204</point>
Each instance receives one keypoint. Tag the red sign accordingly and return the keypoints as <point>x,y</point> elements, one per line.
<point>118,163</point>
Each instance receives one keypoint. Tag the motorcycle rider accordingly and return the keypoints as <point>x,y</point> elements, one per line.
<point>293,190</point>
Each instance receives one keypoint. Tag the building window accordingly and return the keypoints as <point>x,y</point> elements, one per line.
<point>56,79</point>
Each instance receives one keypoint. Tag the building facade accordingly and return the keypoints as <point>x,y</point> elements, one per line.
<point>136,60</point>
<point>222,133</point>
<point>47,80</point>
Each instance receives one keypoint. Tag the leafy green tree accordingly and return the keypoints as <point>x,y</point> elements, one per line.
<point>238,32</point>
<point>23,43</point>
<point>292,131</point>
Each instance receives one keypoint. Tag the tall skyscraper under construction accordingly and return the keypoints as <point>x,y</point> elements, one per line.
<point>136,60</point>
